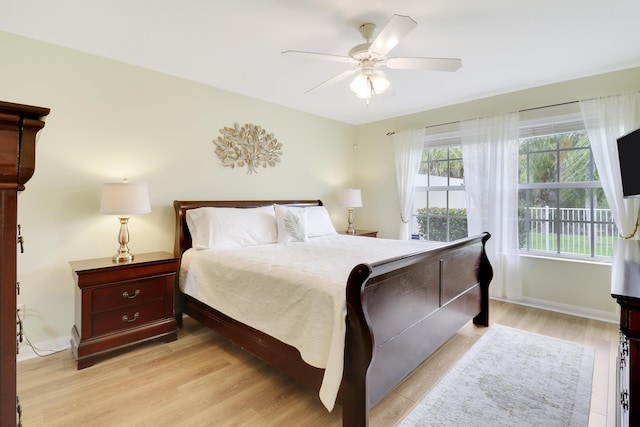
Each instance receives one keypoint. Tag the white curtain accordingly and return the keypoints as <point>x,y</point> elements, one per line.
<point>490,159</point>
<point>606,119</point>
<point>408,151</point>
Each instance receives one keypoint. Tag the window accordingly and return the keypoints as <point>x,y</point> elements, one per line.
<point>562,209</point>
<point>439,206</point>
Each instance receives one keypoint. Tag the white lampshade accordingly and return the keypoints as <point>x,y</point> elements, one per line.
<point>367,85</point>
<point>351,198</point>
<point>125,198</point>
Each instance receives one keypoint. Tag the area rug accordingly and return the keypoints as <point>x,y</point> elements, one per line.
<point>511,377</point>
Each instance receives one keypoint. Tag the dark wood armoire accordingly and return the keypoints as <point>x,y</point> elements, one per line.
<point>625,288</point>
<point>19,125</point>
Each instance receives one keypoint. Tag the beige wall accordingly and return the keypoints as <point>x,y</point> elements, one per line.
<point>109,121</point>
<point>561,285</point>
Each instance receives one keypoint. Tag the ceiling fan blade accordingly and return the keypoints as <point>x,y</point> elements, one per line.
<point>397,27</point>
<point>322,56</point>
<point>333,79</point>
<point>430,64</point>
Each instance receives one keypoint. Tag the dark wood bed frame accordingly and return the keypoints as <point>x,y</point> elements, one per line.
<point>399,311</point>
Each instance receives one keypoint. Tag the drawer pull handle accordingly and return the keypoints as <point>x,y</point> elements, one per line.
<point>125,318</point>
<point>125,294</point>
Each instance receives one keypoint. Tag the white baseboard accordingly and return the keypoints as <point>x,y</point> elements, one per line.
<point>49,347</point>
<point>43,349</point>
<point>589,313</point>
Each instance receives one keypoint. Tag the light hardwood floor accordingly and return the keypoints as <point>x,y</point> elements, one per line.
<point>202,380</point>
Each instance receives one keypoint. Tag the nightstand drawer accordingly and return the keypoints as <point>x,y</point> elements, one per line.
<point>129,317</point>
<point>135,292</point>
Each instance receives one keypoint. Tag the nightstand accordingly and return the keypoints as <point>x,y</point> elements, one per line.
<point>365,233</point>
<point>120,305</point>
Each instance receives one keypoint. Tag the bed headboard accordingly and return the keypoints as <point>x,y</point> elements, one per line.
<point>183,237</point>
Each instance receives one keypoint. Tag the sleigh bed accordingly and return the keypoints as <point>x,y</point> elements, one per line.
<point>398,310</point>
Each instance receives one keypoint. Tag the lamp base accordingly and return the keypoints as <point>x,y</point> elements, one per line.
<point>350,229</point>
<point>122,257</point>
<point>123,254</point>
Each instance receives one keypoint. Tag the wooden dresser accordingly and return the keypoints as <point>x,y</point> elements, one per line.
<point>19,125</point>
<point>625,288</point>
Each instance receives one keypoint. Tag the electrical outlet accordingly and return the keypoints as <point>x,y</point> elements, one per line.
<point>20,310</point>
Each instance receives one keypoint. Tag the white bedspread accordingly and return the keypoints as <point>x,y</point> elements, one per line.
<point>294,292</point>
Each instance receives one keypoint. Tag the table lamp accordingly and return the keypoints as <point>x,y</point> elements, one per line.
<point>350,199</point>
<point>124,199</point>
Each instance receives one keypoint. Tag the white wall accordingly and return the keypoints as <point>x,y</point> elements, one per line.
<point>109,121</point>
<point>558,284</point>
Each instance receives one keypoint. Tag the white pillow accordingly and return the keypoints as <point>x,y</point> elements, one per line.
<point>231,227</point>
<point>191,225</point>
<point>291,224</point>
<point>318,222</point>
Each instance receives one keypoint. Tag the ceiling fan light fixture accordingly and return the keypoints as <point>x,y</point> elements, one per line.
<point>367,85</point>
<point>369,56</point>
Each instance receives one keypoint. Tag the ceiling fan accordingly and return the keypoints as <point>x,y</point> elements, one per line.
<point>368,57</point>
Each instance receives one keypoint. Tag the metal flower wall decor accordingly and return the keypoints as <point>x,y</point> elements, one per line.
<point>248,145</point>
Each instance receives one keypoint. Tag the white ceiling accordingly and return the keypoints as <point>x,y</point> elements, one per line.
<point>505,45</point>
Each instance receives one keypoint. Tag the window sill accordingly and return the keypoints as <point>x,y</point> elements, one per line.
<point>568,259</point>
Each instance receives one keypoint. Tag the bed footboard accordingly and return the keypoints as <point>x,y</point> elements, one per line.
<point>401,310</point>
